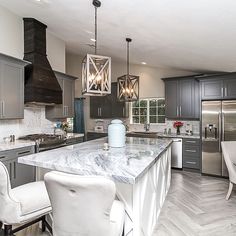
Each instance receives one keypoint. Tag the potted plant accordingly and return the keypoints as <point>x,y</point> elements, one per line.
<point>177,125</point>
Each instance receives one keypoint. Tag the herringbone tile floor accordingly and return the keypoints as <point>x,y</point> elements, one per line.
<point>195,206</point>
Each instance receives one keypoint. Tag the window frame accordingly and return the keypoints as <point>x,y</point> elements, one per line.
<point>148,111</point>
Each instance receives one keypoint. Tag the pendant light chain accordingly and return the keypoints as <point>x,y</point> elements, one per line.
<point>127,57</point>
<point>96,30</point>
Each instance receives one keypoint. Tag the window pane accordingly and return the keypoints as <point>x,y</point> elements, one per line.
<point>135,104</point>
<point>143,103</point>
<point>161,119</point>
<point>153,119</point>
<point>153,103</point>
<point>143,111</point>
<point>161,111</point>
<point>161,102</point>
<point>153,111</point>
<point>136,119</point>
<point>135,111</point>
<point>143,119</point>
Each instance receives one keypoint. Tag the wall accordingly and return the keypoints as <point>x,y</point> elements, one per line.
<point>12,43</point>
<point>12,40</point>
<point>151,84</point>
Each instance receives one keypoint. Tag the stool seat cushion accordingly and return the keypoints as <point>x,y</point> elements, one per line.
<point>32,197</point>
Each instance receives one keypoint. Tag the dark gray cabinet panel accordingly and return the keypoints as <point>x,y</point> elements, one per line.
<point>186,98</point>
<point>191,154</point>
<point>19,173</point>
<point>72,141</point>
<point>230,88</point>
<point>182,98</point>
<point>171,98</point>
<point>108,106</point>
<point>95,135</point>
<point>212,89</point>
<point>11,87</point>
<point>66,109</point>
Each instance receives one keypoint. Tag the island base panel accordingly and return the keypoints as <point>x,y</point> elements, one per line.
<point>144,200</point>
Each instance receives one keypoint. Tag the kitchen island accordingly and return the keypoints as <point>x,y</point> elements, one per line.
<point>141,171</point>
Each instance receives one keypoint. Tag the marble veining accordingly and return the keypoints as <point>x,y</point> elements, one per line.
<point>5,146</point>
<point>121,164</point>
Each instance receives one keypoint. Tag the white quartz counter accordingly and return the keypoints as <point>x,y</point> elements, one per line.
<point>124,165</point>
<point>194,136</point>
<point>5,146</point>
<point>74,135</point>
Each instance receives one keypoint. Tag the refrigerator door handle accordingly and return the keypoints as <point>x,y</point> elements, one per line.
<point>223,126</point>
<point>219,133</point>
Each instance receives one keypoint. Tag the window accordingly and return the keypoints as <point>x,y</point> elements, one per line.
<point>148,110</point>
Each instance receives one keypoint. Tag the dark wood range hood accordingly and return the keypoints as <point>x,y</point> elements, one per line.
<point>41,85</point>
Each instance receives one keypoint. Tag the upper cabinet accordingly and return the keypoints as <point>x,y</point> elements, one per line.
<point>66,109</point>
<point>108,106</point>
<point>11,87</point>
<point>182,98</point>
<point>218,87</point>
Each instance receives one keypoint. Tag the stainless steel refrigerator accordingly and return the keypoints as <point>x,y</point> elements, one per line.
<point>218,124</point>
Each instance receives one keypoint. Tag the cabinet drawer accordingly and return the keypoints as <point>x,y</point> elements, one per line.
<point>191,151</point>
<point>189,141</point>
<point>190,162</point>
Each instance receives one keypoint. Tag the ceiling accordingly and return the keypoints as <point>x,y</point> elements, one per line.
<point>194,35</point>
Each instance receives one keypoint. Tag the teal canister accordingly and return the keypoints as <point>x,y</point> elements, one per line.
<point>116,134</point>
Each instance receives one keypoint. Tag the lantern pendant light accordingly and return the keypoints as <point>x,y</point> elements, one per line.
<point>128,85</point>
<point>96,69</point>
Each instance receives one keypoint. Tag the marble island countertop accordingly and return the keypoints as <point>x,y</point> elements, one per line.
<point>121,164</point>
<point>194,136</point>
<point>5,146</point>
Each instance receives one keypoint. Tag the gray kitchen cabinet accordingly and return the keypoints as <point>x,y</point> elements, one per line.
<point>73,141</point>
<point>19,173</point>
<point>182,98</point>
<point>95,135</point>
<point>105,107</point>
<point>191,154</point>
<point>171,94</point>
<point>11,87</point>
<point>222,86</point>
<point>66,109</point>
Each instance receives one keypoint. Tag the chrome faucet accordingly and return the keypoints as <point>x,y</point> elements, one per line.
<point>146,126</point>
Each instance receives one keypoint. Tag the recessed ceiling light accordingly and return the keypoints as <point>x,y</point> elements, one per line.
<point>93,40</point>
<point>38,0</point>
<point>144,63</point>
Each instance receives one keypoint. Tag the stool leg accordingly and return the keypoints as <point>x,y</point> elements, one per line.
<point>43,224</point>
<point>8,230</point>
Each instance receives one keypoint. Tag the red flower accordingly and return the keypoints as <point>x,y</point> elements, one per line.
<point>178,124</point>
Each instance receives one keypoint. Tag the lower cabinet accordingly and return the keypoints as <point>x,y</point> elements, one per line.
<point>72,141</point>
<point>95,135</point>
<point>19,173</point>
<point>191,154</point>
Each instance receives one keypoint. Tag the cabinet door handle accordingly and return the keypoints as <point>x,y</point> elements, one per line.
<point>190,141</point>
<point>123,111</point>
<point>177,110</point>
<point>98,111</point>
<point>187,150</point>
<point>14,165</point>
<point>10,172</point>
<point>180,110</point>
<point>2,157</point>
<point>225,92</point>
<point>222,92</point>
<point>191,162</point>
<point>3,109</point>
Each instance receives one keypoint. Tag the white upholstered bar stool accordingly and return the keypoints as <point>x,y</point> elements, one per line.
<point>84,205</point>
<point>26,204</point>
<point>229,152</point>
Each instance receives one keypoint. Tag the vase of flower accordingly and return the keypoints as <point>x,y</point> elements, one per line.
<point>177,125</point>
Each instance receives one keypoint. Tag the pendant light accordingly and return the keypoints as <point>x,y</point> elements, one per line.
<point>128,85</point>
<point>96,69</point>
